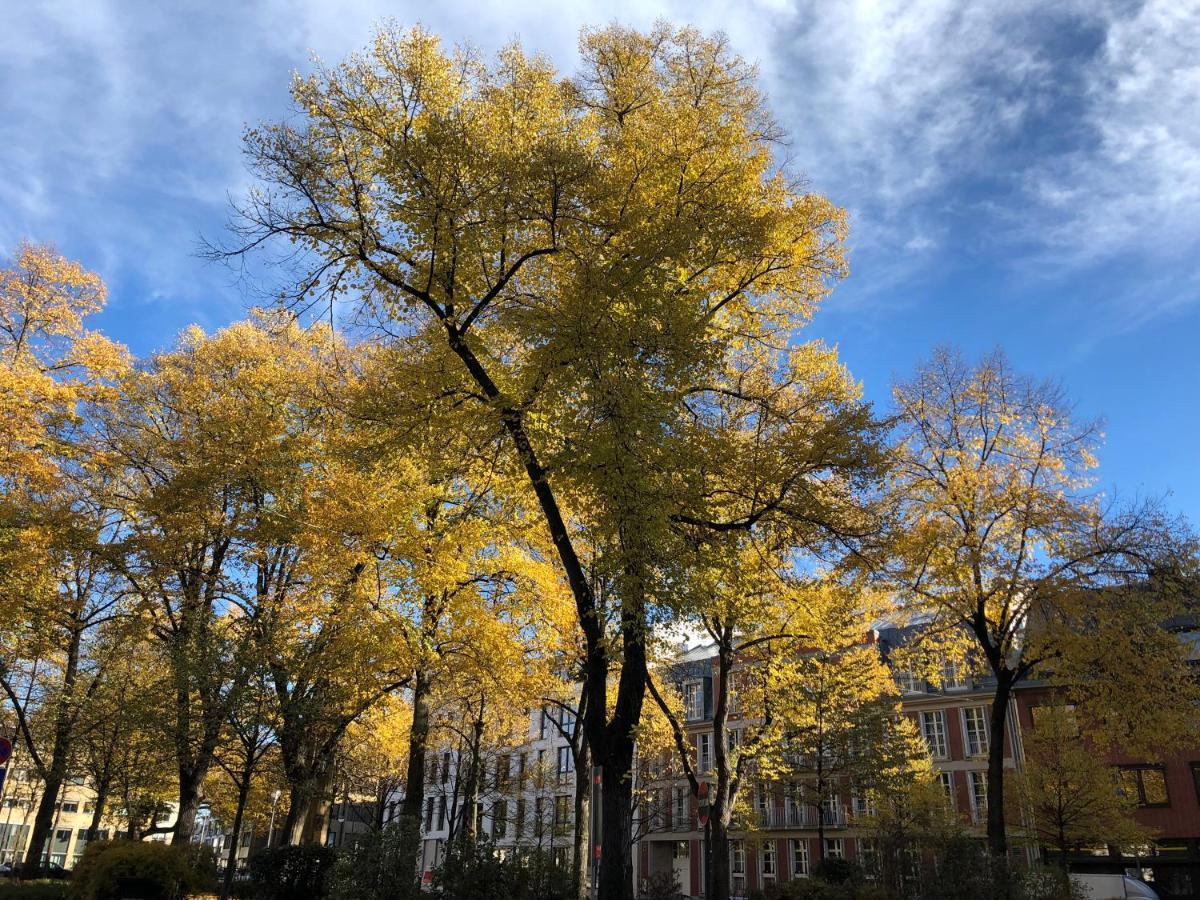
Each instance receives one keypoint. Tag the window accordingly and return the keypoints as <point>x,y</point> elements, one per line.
<point>908,680</point>
<point>539,814</point>
<point>1146,784</point>
<point>704,751</point>
<point>520,817</point>
<point>62,835</point>
<point>978,784</point>
<point>952,677</point>
<point>834,848</point>
<point>445,766</point>
<point>503,769</point>
<point>829,810</point>
<point>933,728</point>
<point>767,859</point>
<point>737,857</point>
<point>799,848</point>
<point>428,813</point>
<point>693,700</point>
<point>947,782</point>
<point>566,763</point>
<point>441,820</point>
<point>975,731</point>
<point>70,806</point>
<point>679,810</point>
<point>540,775</point>
<point>733,739</point>
<point>562,811</point>
<point>544,724</point>
<point>567,718</point>
<point>868,857</point>
<point>499,818</point>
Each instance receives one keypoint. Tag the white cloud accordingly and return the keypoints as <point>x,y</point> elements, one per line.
<point>1055,134</point>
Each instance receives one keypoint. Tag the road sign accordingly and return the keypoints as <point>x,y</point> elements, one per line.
<point>702,807</point>
<point>5,750</point>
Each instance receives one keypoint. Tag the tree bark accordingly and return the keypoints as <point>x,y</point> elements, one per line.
<point>996,830</point>
<point>56,771</point>
<point>583,820</point>
<point>102,789</point>
<point>413,803</point>
<point>231,858</point>
<point>616,825</point>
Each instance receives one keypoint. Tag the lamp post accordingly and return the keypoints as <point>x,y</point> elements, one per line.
<point>274,799</point>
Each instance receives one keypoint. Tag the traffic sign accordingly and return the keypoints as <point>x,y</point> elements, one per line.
<point>702,805</point>
<point>5,750</point>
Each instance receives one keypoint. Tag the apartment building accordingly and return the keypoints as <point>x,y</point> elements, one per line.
<point>783,843</point>
<point>73,815</point>
<point>525,798</point>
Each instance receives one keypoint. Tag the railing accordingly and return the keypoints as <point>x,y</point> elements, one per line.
<point>798,816</point>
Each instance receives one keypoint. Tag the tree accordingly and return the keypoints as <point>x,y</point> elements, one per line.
<point>53,576</point>
<point>250,739</point>
<point>208,447</point>
<point>1071,793</point>
<point>585,252</point>
<point>1003,550</point>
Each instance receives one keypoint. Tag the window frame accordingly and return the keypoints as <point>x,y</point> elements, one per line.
<point>937,716</point>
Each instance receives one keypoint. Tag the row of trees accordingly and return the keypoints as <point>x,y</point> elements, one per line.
<point>569,404</point>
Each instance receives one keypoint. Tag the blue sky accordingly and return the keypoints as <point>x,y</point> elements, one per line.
<point>1020,174</point>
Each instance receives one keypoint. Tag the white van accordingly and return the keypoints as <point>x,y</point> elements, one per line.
<point>1114,887</point>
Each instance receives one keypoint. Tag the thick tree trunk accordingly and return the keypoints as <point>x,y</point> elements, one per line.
<point>56,770</point>
<point>470,817</point>
<point>231,858</point>
<point>719,838</point>
<point>43,821</point>
<point>308,810</point>
<point>583,821</point>
<point>102,789</point>
<point>996,831</point>
<point>616,825</point>
<point>191,781</point>
<point>414,784</point>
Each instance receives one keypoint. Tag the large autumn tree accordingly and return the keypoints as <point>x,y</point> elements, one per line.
<point>54,579</point>
<point>1006,552</point>
<point>586,251</point>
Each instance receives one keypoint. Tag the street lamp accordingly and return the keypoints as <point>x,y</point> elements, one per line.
<point>274,799</point>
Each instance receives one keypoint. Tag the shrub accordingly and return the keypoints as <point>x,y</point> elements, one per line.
<point>152,870</point>
<point>478,873</point>
<point>291,873</point>
<point>661,886</point>
<point>33,890</point>
<point>377,868</point>
<point>837,871</point>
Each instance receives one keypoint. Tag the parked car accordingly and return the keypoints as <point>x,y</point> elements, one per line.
<point>1115,887</point>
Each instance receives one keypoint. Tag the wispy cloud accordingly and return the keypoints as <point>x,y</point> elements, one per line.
<point>1046,137</point>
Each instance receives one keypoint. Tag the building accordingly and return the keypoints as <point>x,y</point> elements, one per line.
<point>73,815</point>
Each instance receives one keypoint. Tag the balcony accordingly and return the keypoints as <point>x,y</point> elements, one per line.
<point>796,816</point>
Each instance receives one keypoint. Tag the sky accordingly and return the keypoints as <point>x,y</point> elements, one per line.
<point>1023,175</point>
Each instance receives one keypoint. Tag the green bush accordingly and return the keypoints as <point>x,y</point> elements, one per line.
<point>837,871</point>
<point>377,868</point>
<point>661,886</point>
<point>478,873</point>
<point>157,871</point>
<point>33,890</point>
<point>291,873</point>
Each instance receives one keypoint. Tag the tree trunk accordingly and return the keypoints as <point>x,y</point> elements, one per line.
<point>102,789</point>
<point>413,804</point>
<point>231,858</point>
<point>470,816</point>
<point>309,806</point>
<point>719,857</point>
<point>191,780</point>
<point>583,821</point>
<point>56,770</point>
<point>616,826</point>
<point>43,821</point>
<point>996,832</point>
<point>719,838</point>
